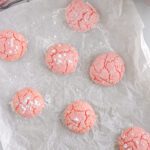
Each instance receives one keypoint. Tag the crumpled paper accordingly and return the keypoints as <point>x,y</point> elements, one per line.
<point>126,104</point>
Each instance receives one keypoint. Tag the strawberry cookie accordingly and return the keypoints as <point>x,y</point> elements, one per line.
<point>12,45</point>
<point>134,139</point>
<point>81,16</point>
<point>28,103</point>
<point>107,69</point>
<point>79,117</point>
<point>62,58</point>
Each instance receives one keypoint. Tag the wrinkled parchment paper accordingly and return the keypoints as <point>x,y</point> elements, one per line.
<point>127,104</point>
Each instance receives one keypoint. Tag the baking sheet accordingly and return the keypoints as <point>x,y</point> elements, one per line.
<point>127,104</point>
<point>10,3</point>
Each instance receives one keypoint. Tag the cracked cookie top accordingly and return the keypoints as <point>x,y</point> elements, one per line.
<point>28,103</point>
<point>79,116</point>
<point>81,16</point>
<point>107,69</point>
<point>12,45</point>
<point>62,58</point>
<point>134,138</point>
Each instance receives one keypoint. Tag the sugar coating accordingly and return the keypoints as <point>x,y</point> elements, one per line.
<point>107,69</point>
<point>28,103</point>
<point>79,116</point>
<point>81,16</point>
<point>62,58</point>
<point>2,2</point>
<point>134,139</point>
<point>12,45</point>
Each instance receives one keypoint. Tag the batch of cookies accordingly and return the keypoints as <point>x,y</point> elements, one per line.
<point>62,58</point>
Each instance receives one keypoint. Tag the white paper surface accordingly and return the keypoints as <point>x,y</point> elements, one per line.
<point>127,104</point>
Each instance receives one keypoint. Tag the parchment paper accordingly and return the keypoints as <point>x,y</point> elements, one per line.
<point>126,104</point>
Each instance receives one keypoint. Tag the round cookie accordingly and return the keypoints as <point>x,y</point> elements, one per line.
<point>134,138</point>
<point>3,2</point>
<point>62,58</point>
<point>28,103</point>
<point>107,69</point>
<point>81,16</point>
<point>79,117</point>
<point>12,45</point>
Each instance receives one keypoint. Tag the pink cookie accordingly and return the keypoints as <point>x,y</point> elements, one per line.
<point>62,58</point>
<point>28,103</point>
<point>12,45</point>
<point>79,117</point>
<point>2,2</point>
<point>134,139</point>
<point>81,16</point>
<point>107,69</point>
